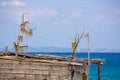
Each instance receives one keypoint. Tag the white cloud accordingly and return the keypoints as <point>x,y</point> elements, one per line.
<point>66,21</point>
<point>96,19</point>
<point>42,13</point>
<point>116,11</point>
<point>76,14</point>
<point>34,15</point>
<point>12,3</point>
<point>68,18</point>
<point>47,12</point>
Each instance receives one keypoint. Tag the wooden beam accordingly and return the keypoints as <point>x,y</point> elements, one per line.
<point>99,75</point>
<point>57,58</point>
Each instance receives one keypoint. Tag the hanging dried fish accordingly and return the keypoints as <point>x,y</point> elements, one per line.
<point>20,38</point>
<point>23,27</point>
<point>30,32</point>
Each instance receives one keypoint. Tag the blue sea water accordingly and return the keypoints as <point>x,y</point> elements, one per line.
<point>110,70</point>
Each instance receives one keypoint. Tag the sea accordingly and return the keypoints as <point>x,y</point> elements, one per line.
<point>110,70</point>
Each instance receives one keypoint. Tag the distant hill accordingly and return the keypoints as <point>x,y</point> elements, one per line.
<point>62,49</point>
<point>50,49</point>
<point>43,49</point>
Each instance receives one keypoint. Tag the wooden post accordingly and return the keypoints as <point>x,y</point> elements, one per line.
<point>16,46</point>
<point>6,50</point>
<point>84,76</point>
<point>88,68</point>
<point>99,75</point>
<point>50,69</point>
<point>16,54</point>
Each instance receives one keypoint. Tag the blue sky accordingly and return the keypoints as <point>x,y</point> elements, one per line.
<point>55,22</point>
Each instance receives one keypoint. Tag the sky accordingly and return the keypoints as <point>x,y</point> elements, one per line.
<point>56,22</point>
